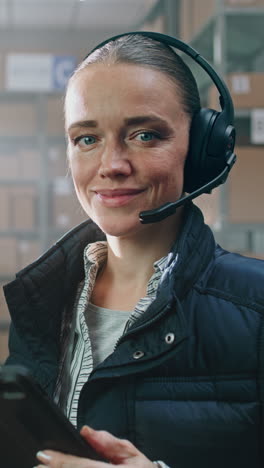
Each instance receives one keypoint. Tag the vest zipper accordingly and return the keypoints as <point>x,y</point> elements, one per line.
<point>144,325</point>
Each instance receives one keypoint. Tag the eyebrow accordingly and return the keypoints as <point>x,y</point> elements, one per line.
<point>137,120</point>
<point>141,119</point>
<point>83,124</point>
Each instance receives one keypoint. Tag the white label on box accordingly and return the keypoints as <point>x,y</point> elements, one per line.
<point>29,72</point>
<point>257,126</point>
<point>38,72</point>
<point>240,84</point>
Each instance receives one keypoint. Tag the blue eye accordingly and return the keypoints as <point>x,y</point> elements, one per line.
<point>84,141</point>
<point>146,136</point>
<point>87,140</point>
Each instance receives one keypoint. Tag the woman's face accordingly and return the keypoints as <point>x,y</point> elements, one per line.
<point>127,143</point>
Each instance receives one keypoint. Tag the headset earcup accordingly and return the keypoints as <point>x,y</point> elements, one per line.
<point>196,171</point>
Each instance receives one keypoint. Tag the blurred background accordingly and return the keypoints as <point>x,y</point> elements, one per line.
<point>41,41</point>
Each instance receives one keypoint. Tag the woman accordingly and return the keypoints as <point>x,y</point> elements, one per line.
<point>157,340</point>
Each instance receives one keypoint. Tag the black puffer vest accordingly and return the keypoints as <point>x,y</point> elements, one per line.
<point>186,383</point>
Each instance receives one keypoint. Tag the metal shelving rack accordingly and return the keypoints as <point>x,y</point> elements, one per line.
<point>40,141</point>
<point>232,40</point>
<point>43,232</point>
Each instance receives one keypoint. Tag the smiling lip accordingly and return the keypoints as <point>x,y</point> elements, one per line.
<point>117,197</point>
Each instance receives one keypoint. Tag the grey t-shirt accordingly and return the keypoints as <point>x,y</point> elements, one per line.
<point>105,328</point>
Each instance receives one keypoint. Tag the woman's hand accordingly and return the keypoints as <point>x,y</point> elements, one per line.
<point>117,451</point>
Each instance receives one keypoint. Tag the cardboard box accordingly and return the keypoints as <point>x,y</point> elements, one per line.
<point>246,90</point>
<point>9,166</point>
<point>29,161</point>
<point>185,23</point>
<point>22,163</point>
<point>27,252</point>
<point>8,256</point>
<point>57,161</point>
<point>4,209</point>
<point>66,209</point>
<point>55,116</point>
<point>4,312</point>
<point>156,25</point>
<point>19,118</point>
<point>3,346</point>
<point>16,254</point>
<point>23,209</point>
<point>202,12</point>
<point>18,208</point>
<point>194,14</point>
<point>67,212</point>
<point>246,188</point>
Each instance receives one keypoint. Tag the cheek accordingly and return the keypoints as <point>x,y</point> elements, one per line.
<point>81,173</point>
<point>168,174</point>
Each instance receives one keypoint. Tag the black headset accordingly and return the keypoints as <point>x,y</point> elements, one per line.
<point>212,135</point>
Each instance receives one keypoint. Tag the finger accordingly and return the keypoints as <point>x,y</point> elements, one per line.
<point>108,446</point>
<point>54,459</point>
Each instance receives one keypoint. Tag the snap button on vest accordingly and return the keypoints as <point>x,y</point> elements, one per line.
<point>138,354</point>
<point>169,338</point>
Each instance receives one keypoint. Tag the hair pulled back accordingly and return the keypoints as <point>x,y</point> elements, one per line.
<point>141,50</point>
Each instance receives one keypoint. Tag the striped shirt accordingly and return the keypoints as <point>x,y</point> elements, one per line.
<point>95,256</point>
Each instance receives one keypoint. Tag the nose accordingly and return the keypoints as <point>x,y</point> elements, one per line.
<point>115,162</point>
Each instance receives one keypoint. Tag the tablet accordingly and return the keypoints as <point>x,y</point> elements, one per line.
<point>30,421</point>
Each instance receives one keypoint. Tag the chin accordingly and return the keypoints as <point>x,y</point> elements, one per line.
<point>119,227</point>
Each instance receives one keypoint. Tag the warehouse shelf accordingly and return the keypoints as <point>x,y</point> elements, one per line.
<point>35,191</point>
<point>244,35</point>
<point>231,38</point>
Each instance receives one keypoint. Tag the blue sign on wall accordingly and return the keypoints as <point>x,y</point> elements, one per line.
<point>62,69</point>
